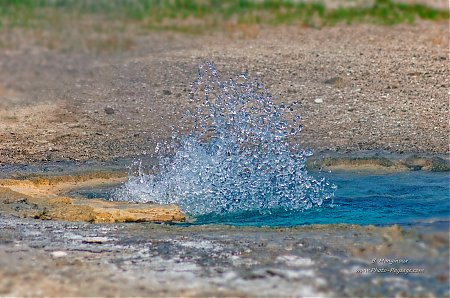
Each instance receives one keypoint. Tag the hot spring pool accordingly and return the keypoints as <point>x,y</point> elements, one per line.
<point>405,198</point>
<point>366,199</point>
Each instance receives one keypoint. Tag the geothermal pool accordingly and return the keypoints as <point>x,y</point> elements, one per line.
<point>405,198</point>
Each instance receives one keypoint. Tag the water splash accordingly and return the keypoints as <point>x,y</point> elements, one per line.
<point>237,157</point>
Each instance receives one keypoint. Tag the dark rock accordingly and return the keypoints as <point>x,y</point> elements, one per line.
<point>415,163</point>
<point>435,164</point>
<point>415,167</point>
<point>109,111</point>
<point>337,82</point>
<point>334,80</point>
<point>439,165</point>
<point>166,92</point>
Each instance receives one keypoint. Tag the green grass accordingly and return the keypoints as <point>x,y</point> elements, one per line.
<point>154,12</point>
<point>197,16</point>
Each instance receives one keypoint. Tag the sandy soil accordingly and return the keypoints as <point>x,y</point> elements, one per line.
<point>380,87</point>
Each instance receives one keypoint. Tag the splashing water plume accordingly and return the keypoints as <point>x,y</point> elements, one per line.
<point>236,158</point>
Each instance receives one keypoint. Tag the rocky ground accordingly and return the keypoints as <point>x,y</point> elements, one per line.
<point>357,88</point>
<point>149,260</point>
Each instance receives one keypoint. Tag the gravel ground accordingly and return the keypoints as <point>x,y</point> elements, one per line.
<point>358,88</point>
<point>46,259</point>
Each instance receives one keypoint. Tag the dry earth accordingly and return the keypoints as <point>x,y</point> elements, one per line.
<point>357,88</point>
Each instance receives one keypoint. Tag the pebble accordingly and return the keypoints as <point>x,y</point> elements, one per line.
<point>109,111</point>
<point>318,100</point>
<point>292,260</point>
<point>332,81</point>
<point>95,240</point>
<point>58,254</point>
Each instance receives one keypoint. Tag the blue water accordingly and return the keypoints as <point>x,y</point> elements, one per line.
<point>407,198</point>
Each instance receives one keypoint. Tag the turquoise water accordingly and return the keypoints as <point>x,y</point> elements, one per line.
<point>408,198</point>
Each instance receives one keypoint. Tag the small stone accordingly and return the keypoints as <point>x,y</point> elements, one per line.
<point>336,81</point>
<point>166,92</point>
<point>58,254</point>
<point>331,81</point>
<point>109,111</point>
<point>318,100</point>
<point>95,240</point>
<point>292,260</point>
